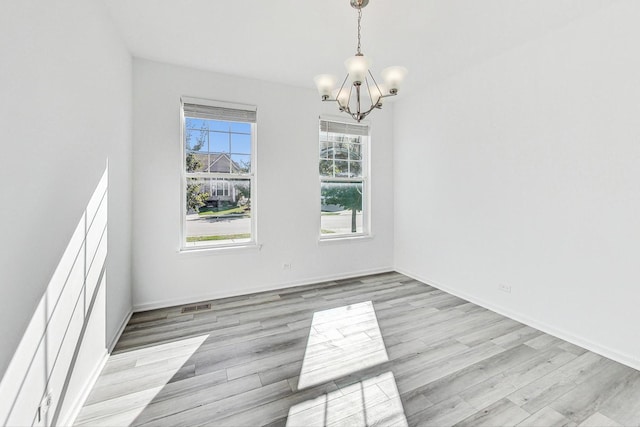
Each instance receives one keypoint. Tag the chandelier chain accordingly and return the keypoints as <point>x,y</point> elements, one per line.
<point>359,27</point>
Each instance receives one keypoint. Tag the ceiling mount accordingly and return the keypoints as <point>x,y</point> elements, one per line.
<point>359,4</point>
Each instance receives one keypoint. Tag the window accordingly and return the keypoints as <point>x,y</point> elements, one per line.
<point>218,190</point>
<point>343,179</point>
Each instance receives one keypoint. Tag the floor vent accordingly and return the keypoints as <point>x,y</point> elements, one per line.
<point>196,307</point>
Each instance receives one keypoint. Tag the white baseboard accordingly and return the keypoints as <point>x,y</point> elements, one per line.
<point>123,325</point>
<point>88,386</point>
<point>226,294</point>
<point>607,352</point>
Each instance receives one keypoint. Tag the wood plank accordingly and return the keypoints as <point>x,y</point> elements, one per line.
<point>446,413</point>
<point>546,417</point>
<point>599,420</point>
<point>624,406</point>
<point>502,413</point>
<point>587,398</point>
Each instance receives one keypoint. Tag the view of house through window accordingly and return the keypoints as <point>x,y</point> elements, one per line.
<point>218,172</point>
<point>343,174</point>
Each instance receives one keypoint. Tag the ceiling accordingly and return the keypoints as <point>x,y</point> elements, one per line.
<point>291,41</point>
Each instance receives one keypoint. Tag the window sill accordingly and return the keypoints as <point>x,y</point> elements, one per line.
<point>220,250</point>
<point>344,239</point>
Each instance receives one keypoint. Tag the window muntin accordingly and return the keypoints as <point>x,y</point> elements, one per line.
<point>219,170</point>
<point>343,179</point>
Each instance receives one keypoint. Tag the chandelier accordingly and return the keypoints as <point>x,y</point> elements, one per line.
<point>359,83</point>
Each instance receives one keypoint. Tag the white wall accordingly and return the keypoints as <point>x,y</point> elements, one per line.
<point>524,170</point>
<point>288,199</point>
<point>65,112</point>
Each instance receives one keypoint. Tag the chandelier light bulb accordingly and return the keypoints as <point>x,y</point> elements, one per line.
<point>341,95</point>
<point>378,92</point>
<point>393,77</point>
<point>358,68</point>
<point>325,84</point>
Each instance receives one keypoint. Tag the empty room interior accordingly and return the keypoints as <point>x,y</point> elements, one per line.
<point>320,213</point>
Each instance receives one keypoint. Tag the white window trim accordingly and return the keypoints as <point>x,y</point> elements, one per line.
<point>359,238</point>
<point>366,233</point>
<point>217,247</point>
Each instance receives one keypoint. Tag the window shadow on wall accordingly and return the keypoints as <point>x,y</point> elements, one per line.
<point>67,323</point>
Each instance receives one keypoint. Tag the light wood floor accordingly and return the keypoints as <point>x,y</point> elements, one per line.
<point>376,350</point>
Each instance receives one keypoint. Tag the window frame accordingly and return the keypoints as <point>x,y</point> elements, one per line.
<point>184,246</point>
<point>364,180</point>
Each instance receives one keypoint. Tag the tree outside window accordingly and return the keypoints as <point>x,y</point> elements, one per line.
<point>343,175</point>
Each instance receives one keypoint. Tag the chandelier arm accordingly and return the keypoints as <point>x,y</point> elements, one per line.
<point>375,103</point>
<point>377,87</point>
<point>366,113</point>
<point>342,87</point>
<point>358,98</point>
<point>346,108</point>
<point>349,99</point>
<point>366,81</point>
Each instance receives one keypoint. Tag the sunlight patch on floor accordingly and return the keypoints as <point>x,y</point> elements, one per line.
<point>341,341</point>
<point>125,409</point>
<point>374,401</point>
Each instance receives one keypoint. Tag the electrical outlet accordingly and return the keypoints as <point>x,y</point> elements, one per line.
<point>286,266</point>
<point>505,288</point>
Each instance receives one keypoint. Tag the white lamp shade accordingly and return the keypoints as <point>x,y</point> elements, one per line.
<point>342,96</point>
<point>325,83</point>
<point>377,92</point>
<point>358,68</point>
<point>393,77</point>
